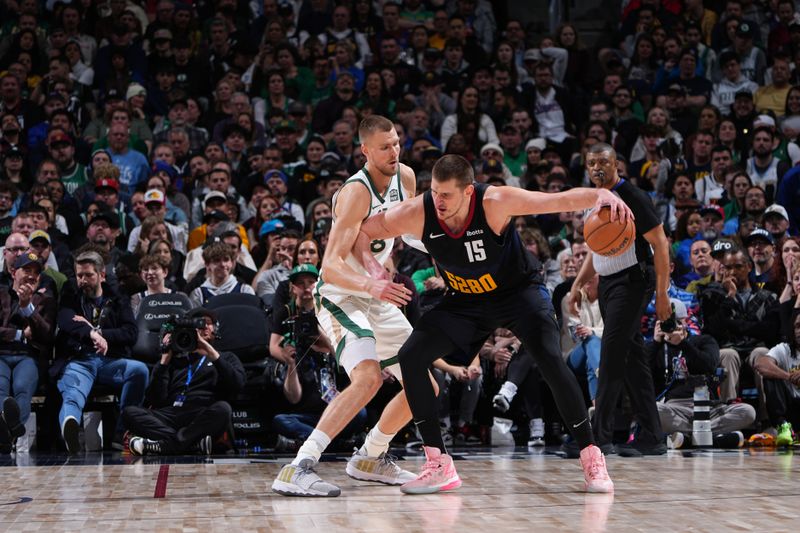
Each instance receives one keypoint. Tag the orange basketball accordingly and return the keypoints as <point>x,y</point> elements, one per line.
<point>605,237</point>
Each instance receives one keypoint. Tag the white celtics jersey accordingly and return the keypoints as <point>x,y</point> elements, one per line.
<point>393,195</point>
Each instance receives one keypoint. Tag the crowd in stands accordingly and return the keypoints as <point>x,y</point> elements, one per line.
<point>179,147</point>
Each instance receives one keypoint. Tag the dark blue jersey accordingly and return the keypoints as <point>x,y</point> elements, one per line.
<point>476,261</point>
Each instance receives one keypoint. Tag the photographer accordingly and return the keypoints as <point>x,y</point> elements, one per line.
<point>678,359</point>
<point>310,382</point>
<point>187,391</point>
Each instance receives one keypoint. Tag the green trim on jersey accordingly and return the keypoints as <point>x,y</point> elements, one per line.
<point>399,184</point>
<point>389,362</point>
<point>372,185</point>
<point>345,321</point>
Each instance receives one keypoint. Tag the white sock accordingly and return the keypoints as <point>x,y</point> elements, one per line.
<point>313,447</point>
<point>509,390</point>
<point>376,443</point>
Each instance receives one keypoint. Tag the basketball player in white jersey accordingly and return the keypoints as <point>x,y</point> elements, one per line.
<point>360,316</point>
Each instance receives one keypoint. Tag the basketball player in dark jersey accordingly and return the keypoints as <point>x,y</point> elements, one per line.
<point>491,282</point>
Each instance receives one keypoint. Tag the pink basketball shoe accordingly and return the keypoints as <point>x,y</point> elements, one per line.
<point>438,474</point>
<point>594,470</point>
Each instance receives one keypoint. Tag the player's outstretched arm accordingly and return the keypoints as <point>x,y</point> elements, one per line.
<point>513,201</point>
<point>352,204</point>
<point>400,220</point>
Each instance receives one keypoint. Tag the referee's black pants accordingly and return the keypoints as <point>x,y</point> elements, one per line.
<point>623,299</point>
<point>178,428</point>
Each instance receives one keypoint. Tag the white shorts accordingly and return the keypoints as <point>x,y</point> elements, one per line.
<point>362,329</point>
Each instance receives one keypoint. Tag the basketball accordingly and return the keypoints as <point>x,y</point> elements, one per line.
<point>605,237</point>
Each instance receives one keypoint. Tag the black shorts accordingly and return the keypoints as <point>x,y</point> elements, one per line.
<point>468,321</point>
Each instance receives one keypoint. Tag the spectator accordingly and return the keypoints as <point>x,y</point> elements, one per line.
<point>96,331</point>
<point>772,97</point>
<point>580,335</point>
<point>682,361</point>
<point>776,222</point>
<point>739,316</point>
<point>219,262</point>
<point>700,262</point>
<point>761,248</point>
<point>153,270</point>
<point>28,321</point>
<point>41,244</point>
<point>278,185</point>
<point>699,162</point>
<point>243,263</point>
<point>753,59</point>
<point>330,109</point>
<point>156,202</point>
<point>189,394</point>
<point>779,368</point>
<point>266,281</point>
<point>132,165</point>
<point>470,121</point>
<point>764,168</point>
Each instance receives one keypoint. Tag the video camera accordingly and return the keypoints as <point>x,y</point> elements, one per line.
<point>303,331</point>
<point>183,333</point>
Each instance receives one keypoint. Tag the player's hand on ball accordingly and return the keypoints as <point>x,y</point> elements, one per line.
<point>619,209</point>
<point>388,291</point>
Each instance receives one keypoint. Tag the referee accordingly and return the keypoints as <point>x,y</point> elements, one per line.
<point>627,282</point>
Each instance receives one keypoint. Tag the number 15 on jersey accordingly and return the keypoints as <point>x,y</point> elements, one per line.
<point>475,251</point>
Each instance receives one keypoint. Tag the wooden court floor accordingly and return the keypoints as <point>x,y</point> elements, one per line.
<point>512,490</point>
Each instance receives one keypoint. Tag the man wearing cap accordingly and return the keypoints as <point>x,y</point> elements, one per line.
<point>761,248</point>
<point>62,149</point>
<point>753,59</point>
<point>278,184</point>
<point>103,230</point>
<point>776,222</point>
<point>27,317</point>
<point>155,200</point>
<point>97,329</point>
<point>214,209</point>
<point>712,221</point>
<point>189,395</point>
<point>732,82</point>
<point>492,152</point>
<point>41,244</point>
<point>219,179</point>
<point>286,139</point>
<point>160,48</point>
<point>676,355</point>
<point>310,377</point>
<point>106,192</point>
